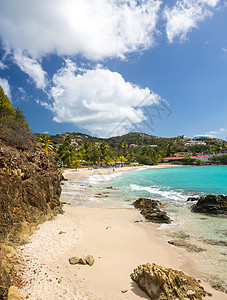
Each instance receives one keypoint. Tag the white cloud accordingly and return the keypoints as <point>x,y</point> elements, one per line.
<point>95,29</point>
<point>2,66</point>
<point>219,133</point>
<point>98,100</point>
<point>6,87</point>
<point>185,15</point>
<point>33,68</point>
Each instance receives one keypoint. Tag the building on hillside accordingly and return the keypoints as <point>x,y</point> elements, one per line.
<point>133,145</point>
<point>203,158</point>
<point>74,142</point>
<point>194,142</point>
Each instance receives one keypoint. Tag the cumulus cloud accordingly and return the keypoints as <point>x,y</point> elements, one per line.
<point>185,15</point>
<point>95,29</point>
<point>6,87</point>
<point>98,100</point>
<point>33,68</point>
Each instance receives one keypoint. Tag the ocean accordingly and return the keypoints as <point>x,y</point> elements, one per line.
<point>171,186</point>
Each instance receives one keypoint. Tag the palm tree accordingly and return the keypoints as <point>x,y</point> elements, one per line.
<point>67,155</point>
<point>122,159</point>
<point>104,147</point>
<point>46,144</point>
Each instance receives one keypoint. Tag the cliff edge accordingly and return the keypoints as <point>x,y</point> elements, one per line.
<point>29,186</point>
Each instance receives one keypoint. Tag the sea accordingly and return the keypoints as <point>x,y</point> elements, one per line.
<point>172,186</point>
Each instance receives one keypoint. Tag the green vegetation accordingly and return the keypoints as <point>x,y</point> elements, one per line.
<point>220,159</point>
<point>46,143</point>
<point>75,149</point>
<point>14,129</point>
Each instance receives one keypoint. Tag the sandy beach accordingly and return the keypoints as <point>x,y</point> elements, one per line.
<point>117,242</point>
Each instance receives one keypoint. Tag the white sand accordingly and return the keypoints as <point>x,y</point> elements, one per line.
<point>111,236</point>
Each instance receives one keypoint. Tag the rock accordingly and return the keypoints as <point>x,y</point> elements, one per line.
<point>74,260</point>
<point>90,260</point>
<point>124,291</point>
<point>188,246</point>
<point>219,287</point>
<point>179,235</point>
<point>85,260</point>
<point>211,204</point>
<point>151,211</point>
<point>61,232</point>
<point>30,188</point>
<point>215,242</point>
<point>4,282</point>
<point>82,261</point>
<point>193,199</point>
<point>14,294</point>
<point>163,283</point>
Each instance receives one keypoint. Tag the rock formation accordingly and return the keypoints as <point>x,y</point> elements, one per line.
<point>161,283</point>
<point>29,194</point>
<point>151,211</point>
<point>85,260</point>
<point>186,245</point>
<point>215,242</point>
<point>211,204</point>
<point>29,191</point>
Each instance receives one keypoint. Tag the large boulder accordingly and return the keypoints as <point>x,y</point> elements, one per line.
<point>151,211</point>
<point>161,283</point>
<point>211,204</point>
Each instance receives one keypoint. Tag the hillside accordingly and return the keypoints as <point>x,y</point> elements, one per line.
<point>132,147</point>
<point>29,188</point>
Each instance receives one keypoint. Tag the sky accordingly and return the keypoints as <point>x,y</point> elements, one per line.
<point>108,67</point>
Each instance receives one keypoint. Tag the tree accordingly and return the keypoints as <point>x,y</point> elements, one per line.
<point>6,110</point>
<point>87,151</point>
<point>122,159</point>
<point>46,144</point>
<point>104,148</point>
<point>68,155</point>
<point>21,118</point>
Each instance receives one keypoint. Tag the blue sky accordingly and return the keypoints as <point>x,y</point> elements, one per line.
<point>107,67</point>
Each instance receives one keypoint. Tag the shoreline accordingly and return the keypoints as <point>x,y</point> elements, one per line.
<point>117,243</point>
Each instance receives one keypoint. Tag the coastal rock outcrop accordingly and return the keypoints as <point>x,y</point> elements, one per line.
<point>211,204</point>
<point>215,242</point>
<point>29,194</point>
<point>163,283</point>
<point>151,211</point>
<point>186,245</point>
<point>29,191</point>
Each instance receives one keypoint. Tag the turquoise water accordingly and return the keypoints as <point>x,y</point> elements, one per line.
<point>175,183</point>
<point>172,186</point>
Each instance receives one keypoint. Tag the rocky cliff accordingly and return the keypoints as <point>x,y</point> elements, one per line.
<point>29,194</point>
